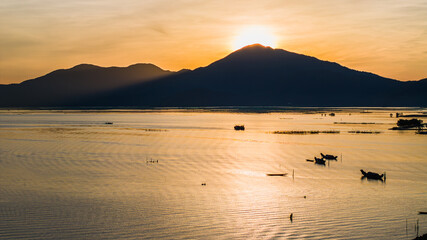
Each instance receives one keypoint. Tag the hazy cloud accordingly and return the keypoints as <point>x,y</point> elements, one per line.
<point>387,37</point>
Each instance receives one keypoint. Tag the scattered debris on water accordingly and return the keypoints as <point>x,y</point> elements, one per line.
<point>355,123</point>
<point>151,160</point>
<point>364,132</point>
<point>307,132</point>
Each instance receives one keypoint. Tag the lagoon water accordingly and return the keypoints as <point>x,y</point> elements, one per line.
<point>68,175</point>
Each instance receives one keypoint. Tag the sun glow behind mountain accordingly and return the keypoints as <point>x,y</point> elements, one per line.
<point>252,35</point>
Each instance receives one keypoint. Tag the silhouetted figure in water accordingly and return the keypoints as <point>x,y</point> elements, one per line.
<point>291,217</point>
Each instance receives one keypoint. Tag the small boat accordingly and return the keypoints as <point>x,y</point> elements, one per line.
<point>422,213</point>
<point>109,123</point>
<point>328,156</point>
<point>319,161</point>
<point>239,127</point>
<point>276,174</point>
<point>372,175</point>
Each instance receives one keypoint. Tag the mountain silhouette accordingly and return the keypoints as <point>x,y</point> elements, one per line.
<point>259,76</point>
<point>67,86</point>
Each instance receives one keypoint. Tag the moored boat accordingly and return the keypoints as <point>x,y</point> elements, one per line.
<point>239,127</point>
<point>276,174</point>
<point>372,175</point>
<point>319,161</point>
<point>328,156</point>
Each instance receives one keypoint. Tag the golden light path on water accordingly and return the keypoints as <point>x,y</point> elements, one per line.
<point>68,175</point>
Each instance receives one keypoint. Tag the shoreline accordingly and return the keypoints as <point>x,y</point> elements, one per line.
<point>236,109</point>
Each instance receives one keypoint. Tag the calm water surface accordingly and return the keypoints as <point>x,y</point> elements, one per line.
<point>67,175</point>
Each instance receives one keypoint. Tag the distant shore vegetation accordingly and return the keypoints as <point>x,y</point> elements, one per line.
<point>409,124</point>
<point>325,132</point>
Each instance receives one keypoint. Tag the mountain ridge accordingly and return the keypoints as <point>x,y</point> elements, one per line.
<point>256,75</point>
<point>61,86</point>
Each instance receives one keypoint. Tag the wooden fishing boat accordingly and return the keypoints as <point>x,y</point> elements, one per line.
<point>276,174</point>
<point>328,156</point>
<point>239,127</point>
<point>319,161</point>
<point>372,175</point>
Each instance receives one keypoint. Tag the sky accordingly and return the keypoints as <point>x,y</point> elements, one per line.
<point>386,37</point>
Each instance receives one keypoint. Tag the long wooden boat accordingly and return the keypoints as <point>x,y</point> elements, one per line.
<point>276,174</point>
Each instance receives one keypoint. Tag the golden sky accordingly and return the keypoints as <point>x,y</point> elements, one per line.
<point>386,37</point>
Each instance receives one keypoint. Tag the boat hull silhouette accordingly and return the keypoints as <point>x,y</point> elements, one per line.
<point>372,175</point>
<point>328,156</point>
<point>320,161</point>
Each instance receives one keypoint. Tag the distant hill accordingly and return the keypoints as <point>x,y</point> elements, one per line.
<point>262,76</point>
<point>68,86</point>
<point>252,76</point>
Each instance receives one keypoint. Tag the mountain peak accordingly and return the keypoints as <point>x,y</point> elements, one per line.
<point>144,66</point>
<point>255,54</point>
<point>85,66</point>
<point>259,51</point>
<point>254,48</point>
<point>141,65</point>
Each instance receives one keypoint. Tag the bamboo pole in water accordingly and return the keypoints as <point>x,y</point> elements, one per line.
<point>418,227</point>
